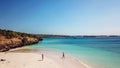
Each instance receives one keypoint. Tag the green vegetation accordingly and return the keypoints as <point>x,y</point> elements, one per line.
<point>12,34</point>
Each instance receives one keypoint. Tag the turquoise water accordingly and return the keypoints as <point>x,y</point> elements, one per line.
<point>95,52</point>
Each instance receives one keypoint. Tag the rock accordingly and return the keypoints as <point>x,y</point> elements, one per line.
<point>7,44</point>
<point>12,39</point>
<point>2,60</point>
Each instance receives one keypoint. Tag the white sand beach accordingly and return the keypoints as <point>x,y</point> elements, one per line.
<point>33,60</point>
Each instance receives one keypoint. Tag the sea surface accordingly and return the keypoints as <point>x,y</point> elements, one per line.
<point>95,52</point>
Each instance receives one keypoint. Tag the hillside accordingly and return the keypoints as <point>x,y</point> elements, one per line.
<point>11,39</point>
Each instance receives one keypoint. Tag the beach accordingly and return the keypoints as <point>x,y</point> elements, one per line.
<point>59,34</point>
<point>34,60</point>
<point>79,53</point>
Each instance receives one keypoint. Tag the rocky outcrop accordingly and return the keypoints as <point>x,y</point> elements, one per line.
<point>12,39</point>
<point>7,44</point>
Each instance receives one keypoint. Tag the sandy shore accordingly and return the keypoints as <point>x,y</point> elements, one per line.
<point>33,60</point>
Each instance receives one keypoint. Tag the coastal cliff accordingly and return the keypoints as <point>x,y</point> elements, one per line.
<point>11,39</point>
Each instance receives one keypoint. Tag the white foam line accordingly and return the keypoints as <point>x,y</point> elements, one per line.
<point>87,66</point>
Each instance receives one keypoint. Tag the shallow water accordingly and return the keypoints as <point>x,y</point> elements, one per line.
<point>95,52</point>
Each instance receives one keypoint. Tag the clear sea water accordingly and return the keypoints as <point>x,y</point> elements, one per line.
<point>95,52</point>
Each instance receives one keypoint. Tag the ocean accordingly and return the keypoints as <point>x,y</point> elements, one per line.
<point>95,52</point>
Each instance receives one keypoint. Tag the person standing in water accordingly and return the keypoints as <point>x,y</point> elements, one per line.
<point>42,57</point>
<point>63,55</point>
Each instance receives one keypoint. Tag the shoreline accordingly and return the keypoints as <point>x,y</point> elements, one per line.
<point>52,60</point>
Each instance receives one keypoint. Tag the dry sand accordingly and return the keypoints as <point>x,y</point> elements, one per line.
<point>33,60</point>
